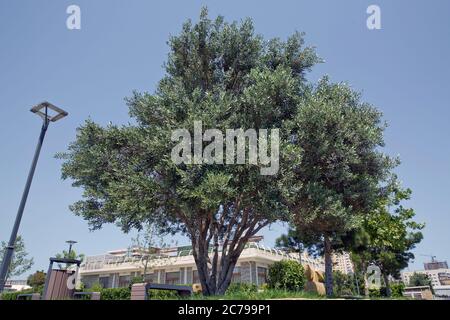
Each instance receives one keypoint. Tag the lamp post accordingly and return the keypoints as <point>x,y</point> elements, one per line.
<point>71,243</point>
<point>48,113</point>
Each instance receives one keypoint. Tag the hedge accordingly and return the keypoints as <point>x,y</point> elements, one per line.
<point>286,274</point>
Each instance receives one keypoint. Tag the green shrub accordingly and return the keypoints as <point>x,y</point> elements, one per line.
<point>162,295</point>
<point>137,279</point>
<point>115,294</point>
<point>343,284</point>
<point>375,292</point>
<point>286,274</point>
<point>242,288</point>
<point>13,295</point>
<point>96,287</point>
<point>397,290</point>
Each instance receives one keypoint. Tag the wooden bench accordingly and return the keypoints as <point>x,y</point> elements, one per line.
<point>29,296</point>
<point>139,291</point>
<point>92,295</point>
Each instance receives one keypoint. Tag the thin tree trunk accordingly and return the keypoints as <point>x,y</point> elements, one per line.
<point>300,254</point>
<point>328,267</point>
<point>145,269</point>
<point>366,285</point>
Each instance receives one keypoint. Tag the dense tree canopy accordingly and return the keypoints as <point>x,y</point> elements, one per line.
<point>227,77</point>
<point>331,169</point>
<point>338,168</point>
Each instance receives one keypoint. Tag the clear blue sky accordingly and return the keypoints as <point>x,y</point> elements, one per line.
<point>403,69</point>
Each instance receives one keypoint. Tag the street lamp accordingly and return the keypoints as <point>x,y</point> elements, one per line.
<point>49,113</point>
<point>71,243</point>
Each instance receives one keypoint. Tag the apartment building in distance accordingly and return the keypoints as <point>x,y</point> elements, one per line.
<point>342,262</point>
<point>439,274</point>
<point>437,271</point>
<point>177,266</point>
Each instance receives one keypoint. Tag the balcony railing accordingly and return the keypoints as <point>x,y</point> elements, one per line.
<point>111,261</point>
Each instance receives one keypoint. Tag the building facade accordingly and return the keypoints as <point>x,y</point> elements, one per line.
<point>437,271</point>
<point>438,277</point>
<point>343,263</point>
<point>177,266</point>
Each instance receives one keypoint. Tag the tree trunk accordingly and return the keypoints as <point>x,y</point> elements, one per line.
<point>386,283</point>
<point>300,254</point>
<point>145,269</point>
<point>366,285</point>
<point>328,267</point>
<point>226,273</point>
<point>233,231</point>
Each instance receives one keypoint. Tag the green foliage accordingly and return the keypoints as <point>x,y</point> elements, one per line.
<point>163,294</point>
<point>260,295</point>
<point>242,288</point>
<point>338,166</point>
<point>345,284</point>
<point>226,76</point>
<point>114,293</point>
<point>419,279</point>
<point>36,279</point>
<point>20,263</point>
<point>397,290</point>
<point>297,241</point>
<point>68,255</point>
<point>287,275</point>
<point>375,293</point>
<point>388,234</point>
<point>13,295</point>
<point>96,287</point>
<point>137,279</point>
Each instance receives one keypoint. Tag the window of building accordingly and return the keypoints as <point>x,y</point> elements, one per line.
<point>89,281</point>
<point>262,275</point>
<point>151,277</point>
<point>104,282</point>
<point>173,277</point>
<point>236,274</point>
<point>124,281</point>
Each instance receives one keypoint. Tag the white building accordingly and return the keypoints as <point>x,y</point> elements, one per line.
<point>343,263</point>
<point>16,285</point>
<point>438,277</point>
<point>176,266</point>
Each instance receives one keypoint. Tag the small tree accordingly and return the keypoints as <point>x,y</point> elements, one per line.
<point>419,279</point>
<point>337,165</point>
<point>37,279</point>
<point>148,247</point>
<point>20,262</point>
<point>68,255</point>
<point>347,284</point>
<point>388,234</point>
<point>287,275</point>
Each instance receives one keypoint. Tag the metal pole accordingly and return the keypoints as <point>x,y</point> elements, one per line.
<point>12,240</point>
<point>47,279</point>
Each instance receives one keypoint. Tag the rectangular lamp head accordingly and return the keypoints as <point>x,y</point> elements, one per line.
<point>43,108</point>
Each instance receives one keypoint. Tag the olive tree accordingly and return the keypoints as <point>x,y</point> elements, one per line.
<point>338,166</point>
<point>227,77</point>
